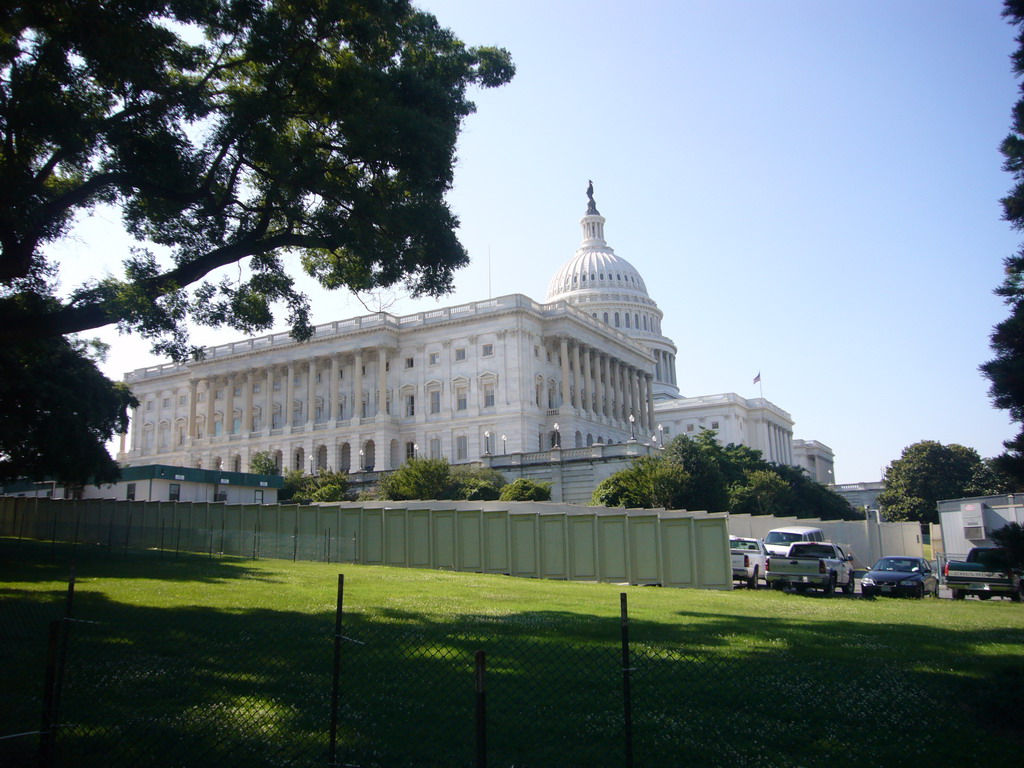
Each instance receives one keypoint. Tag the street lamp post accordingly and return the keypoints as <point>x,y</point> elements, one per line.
<point>487,443</point>
<point>558,437</point>
<point>361,464</point>
<point>661,436</point>
<point>503,438</point>
<point>415,450</point>
<point>632,430</point>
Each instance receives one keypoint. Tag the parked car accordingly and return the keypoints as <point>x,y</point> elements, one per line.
<point>899,575</point>
<point>778,540</point>
<point>984,573</point>
<point>749,560</point>
<point>819,564</point>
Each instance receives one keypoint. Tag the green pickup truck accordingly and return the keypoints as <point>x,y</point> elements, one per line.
<point>985,573</point>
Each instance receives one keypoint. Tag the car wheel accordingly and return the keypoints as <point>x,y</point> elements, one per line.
<point>1016,596</point>
<point>777,585</point>
<point>830,588</point>
<point>752,581</point>
<point>958,594</point>
<point>850,587</point>
<point>801,588</point>
<point>984,597</point>
<point>919,591</point>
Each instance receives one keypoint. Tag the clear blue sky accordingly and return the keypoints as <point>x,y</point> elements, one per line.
<point>810,189</point>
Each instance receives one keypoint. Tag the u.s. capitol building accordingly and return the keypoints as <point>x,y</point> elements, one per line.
<point>586,368</point>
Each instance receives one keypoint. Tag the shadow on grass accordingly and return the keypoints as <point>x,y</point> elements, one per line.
<point>196,686</point>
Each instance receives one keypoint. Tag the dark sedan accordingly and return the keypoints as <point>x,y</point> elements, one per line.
<point>900,576</point>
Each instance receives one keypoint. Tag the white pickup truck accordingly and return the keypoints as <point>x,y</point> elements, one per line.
<point>749,560</point>
<point>818,564</point>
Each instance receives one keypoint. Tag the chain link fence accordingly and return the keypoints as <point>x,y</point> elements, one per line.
<point>193,687</point>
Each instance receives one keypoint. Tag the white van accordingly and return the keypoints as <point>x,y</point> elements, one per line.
<point>778,539</point>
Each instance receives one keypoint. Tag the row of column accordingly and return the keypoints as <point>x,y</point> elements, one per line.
<point>606,386</point>
<point>778,444</point>
<point>665,366</point>
<point>289,372</point>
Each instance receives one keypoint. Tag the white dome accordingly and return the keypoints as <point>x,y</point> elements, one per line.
<point>596,268</point>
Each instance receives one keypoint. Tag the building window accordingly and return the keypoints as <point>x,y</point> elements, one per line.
<point>689,427</point>
<point>536,350</point>
<point>238,391</point>
<point>174,492</point>
<point>714,425</point>
<point>410,362</point>
<point>218,395</point>
<point>277,385</point>
<point>461,452</point>
<point>435,358</point>
<point>181,399</point>
<point>435,448</point>
<point>627,319</point>
<point>488,395</point>
<point>256,387</point>
<point>200,397</point>
<point>616,319</point>
<point>461,399</point>
<point>257,496</point>
<point>410,405</point>
<point>319,377</point>
<point>129,493</point>
<point>410,451</point>
<point>460,354</point>
<point>435,401</point>
<point>149,405</point>
<point>165,403</point>
<point>488,350</point>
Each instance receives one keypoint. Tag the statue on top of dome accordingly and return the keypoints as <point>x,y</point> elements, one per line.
<point>591,205</point>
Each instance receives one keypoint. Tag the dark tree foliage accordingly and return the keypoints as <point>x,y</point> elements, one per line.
<point>1011,538</point>
<point>58,412</point>
<point>228,131</point>
<point>926,473</point>
<point>1006,370</point>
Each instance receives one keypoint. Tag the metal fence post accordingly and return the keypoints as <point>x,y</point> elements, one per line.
<point>627,699</point>
<point>480,667</point>
<point>46,730</point>
<point>336,682</point>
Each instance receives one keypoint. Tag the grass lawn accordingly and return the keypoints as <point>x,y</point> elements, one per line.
<point>181,653</point>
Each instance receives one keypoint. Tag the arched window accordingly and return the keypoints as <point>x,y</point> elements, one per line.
<point>616,319</point>
<point>627,319</point>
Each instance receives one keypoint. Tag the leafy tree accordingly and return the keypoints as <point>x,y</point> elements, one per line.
<point>925,473</point>
<point>58,412</point>
<point>228,131</point>
<point>1011,538</point>
<point>1006,370</point>
<point>325,485</point>
<point>762,492</point>
<point>697,473</point>
<point>477,483</point>
<point>419,479</point>
<point>524,489</point>
<point>262,463</point>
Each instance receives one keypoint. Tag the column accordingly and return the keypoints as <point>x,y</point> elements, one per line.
<point>615,394</point>
<point>651,420</point>
<point>357,395</point>
<point>228,420</point>
<point>211,386</point>
<point>331,401</point>
<point>564,350</point>
<point>604,398</point>
<point>268,400</point>
<point>641,391</point>
<point>250,378</point>
<point>382,381</point>
<point>289,396</point>
<point>311,392</point>
<point>578,387</point>
<point>587,391</point>
<point>193,386</point>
